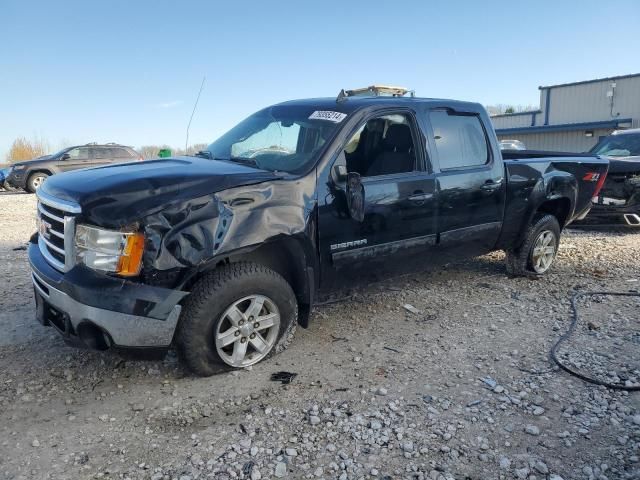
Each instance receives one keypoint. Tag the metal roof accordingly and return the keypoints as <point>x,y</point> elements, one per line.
<point>565,127</point>
<point>595,80</point>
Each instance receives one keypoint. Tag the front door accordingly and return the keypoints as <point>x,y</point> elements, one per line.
<point>77,158</point>
<point>388,152</point>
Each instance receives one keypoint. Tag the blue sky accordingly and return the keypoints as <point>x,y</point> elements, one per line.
<point>129,71</point>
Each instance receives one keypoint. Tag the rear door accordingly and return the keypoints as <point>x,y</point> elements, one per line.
<point>471,183</point>
<point>101,156</point>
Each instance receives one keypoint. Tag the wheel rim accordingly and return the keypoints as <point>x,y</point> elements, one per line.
<point>38,181</point>
<point>247,331</point>
<point>544,251</point>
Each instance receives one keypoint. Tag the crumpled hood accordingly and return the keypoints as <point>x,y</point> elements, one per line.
<point>120,194</point>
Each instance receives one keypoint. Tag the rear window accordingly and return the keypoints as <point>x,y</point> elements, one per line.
<point>100,153</point>
<point>122,153</point>
<point>460,139</point>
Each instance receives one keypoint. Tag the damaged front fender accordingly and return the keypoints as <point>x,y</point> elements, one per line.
<point>196,235</point>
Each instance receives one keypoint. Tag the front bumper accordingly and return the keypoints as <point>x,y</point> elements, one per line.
<point>98,311</point>
<point>17,179</point>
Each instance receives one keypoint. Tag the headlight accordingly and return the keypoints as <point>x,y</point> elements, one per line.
<point>109,250</point>
<point>18,167</point>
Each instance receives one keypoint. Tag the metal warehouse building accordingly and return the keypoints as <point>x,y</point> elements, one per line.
<point>573,116</point>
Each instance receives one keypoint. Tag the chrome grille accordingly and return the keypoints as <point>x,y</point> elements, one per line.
<point>56,230</point>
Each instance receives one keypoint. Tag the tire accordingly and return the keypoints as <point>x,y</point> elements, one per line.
<point>523,261</point>
<point>212,309</point>
<point>35,180</point>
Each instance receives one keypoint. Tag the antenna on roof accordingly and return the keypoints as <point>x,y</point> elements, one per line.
<point>186,142</point>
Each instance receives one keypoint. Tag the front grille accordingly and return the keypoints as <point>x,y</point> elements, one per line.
<point>56,230</point>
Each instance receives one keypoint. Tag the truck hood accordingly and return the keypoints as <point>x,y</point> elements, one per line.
<point>35,161</point>
<point>119,194</point>
<point>624,164</point>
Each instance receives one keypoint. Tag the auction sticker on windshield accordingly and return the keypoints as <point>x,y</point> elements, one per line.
<point>335,117</point>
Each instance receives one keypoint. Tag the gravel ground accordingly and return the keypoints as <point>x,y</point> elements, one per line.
<point>459,386</point>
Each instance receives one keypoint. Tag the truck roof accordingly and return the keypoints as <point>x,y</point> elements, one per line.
<point>351,104</point>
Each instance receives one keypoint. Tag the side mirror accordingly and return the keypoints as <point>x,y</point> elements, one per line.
<point>340,173</point>
<point>65,156</point>
<point>355,196</point>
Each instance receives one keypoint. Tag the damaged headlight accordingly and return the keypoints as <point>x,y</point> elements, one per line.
<point>109,250</point>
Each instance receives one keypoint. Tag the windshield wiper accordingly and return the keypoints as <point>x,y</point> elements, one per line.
<point>244,161</point>
<point>204,154</point>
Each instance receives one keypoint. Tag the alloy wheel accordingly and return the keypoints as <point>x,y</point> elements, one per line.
<point>247,331</point>
<point>544,251</point>
<point>38,181</point>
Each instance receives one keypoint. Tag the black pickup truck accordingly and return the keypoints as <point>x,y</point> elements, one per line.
<point>223,255</point>
<point>618,203</point>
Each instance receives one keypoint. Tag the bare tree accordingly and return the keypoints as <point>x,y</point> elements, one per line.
<point>151,151</point>
<point>27,149</point>
<point>501,109</point>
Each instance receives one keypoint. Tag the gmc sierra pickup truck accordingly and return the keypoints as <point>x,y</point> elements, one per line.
<point>223,254</point>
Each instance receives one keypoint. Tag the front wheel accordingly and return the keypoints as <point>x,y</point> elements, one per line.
<point>35,181</point>
<point>235,317</point>
<point>538,251</point>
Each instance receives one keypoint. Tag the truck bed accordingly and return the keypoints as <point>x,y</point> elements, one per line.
<point>527,154</point>
<point>534,176</point>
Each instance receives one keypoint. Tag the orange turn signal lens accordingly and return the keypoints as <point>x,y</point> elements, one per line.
<point>130,261</point>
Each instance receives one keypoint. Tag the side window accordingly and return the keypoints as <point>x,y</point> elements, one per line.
<point>382,146</point>
<point>122,153</point>
<point>460,140</point>
<point>80,153</point>
<point>98,153</point>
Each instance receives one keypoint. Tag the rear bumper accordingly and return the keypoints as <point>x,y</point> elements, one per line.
<point>81,306</point>
<point>603,216</point>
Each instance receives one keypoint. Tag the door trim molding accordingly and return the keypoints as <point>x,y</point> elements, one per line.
<point>466,234</point>
<point>383,249</point>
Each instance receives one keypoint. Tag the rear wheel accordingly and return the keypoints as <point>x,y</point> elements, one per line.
<point>235,317</point>
<point>538,251</point>
<point>35,181</point>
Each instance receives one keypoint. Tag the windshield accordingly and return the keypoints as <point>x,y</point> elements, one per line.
<point>625,145</point>
<point>284,138</point>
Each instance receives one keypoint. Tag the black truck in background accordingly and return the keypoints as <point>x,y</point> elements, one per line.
<point>618,202</point>
<point>223,255</point>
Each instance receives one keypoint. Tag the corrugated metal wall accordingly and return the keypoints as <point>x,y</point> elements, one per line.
<point>588,102</point>
<point>577,103</point>
<point>513,121</point>
<point>575,141</point>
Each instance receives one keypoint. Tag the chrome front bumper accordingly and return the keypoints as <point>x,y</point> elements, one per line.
<point>124,330</point>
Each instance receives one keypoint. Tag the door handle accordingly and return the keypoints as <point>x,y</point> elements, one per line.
<point>491,185</point>
<point>420,197</point>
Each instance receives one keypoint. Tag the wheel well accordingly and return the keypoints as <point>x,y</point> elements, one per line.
<point>558,207</point>
<point>285,257</point>
<point>39,170</point>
